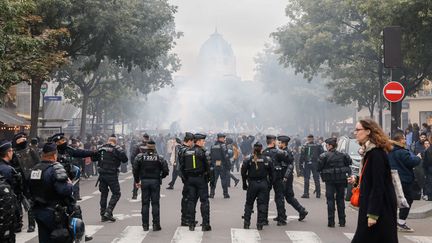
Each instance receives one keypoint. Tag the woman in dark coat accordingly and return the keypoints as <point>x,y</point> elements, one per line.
<point>377,210</point>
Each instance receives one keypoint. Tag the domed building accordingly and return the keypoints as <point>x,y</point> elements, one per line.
<point>216,58</point>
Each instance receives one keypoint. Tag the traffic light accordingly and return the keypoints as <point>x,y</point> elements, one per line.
<point>392,47</point>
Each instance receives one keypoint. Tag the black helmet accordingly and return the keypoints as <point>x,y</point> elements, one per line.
<point>77,229</point>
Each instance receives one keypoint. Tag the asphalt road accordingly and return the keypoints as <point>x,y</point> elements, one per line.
<point>225,220</point>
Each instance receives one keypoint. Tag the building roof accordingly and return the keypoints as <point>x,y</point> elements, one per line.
<point>10,119</point>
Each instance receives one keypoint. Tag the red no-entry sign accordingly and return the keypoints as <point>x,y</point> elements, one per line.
<point>394,91</point>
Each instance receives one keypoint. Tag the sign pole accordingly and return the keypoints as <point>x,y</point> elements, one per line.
<point>44,89</point>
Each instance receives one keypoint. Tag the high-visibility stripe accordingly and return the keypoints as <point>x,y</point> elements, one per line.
<point>193,161</point>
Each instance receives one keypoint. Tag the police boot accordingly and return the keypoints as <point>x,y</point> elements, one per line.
<point>211,195</point>
<point>31,229</point>
<point>226,196</point>
<point>103,218</point>
<point>109,216</point>
<point>88,238</point>
<point>236,182</point>
<point>305,196</point>
<point>156,227</point>
<point>145,227</point>
<point>302,215</point>
<point>246,225</point>
<point>259,226</point>
<point>281,222</point>
<point>206,227</point>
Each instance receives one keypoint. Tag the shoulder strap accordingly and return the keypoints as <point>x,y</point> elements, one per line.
<point>361,175</point>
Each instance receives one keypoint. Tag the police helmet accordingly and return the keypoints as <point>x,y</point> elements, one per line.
<point>77,229</point>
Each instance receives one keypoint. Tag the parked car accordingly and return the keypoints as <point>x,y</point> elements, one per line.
<point>351,147</point>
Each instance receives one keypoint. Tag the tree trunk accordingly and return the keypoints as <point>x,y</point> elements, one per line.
<point>35,105</point>
<point>84,114</point>
<point>372,111</point>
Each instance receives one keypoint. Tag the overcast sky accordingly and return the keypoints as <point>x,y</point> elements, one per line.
<point>245,24</point>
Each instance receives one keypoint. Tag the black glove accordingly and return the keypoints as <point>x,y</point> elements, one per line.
<point>245,186</point>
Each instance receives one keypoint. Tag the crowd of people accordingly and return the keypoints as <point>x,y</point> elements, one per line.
<point>43,178</point>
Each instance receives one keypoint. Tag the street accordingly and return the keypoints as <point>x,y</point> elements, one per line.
<point>225,220</point>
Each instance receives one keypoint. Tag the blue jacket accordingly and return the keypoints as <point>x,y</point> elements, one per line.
<point>404,161</point>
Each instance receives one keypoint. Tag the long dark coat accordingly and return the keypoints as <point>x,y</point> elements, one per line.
<point>377,197</point>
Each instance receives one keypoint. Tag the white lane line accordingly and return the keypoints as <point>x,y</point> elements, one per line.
<point>419,239</point>
<point>126,216</point>
<point>92,229</point>
<point>393,91</point>
<point>245,236</point>
<point>24,236</point>
<point>349,235</point>
<point>131,234</point>
<point>303,237</point>
<point>96,193</point>
<point>84,198</point>
<point>183,235</point>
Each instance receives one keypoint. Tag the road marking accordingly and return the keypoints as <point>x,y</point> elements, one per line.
<point>393,91</point>
<point>245,236</point>
<point>131,234</point>
<point>126,216</point>
<point>303,237</point>
<point>96,193</point>
<point>349,235</point>
<point>24,236</point>
<point>184,235</point>
<point>84,198</point>
<point>419,239</point>
<point>92,229</point>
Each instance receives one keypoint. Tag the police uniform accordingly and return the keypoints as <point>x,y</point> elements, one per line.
<point>334,167</point>
<point>280,160</point>
<point>135,150</point>
<point>257,176</point>
<point>309,159</point>
<point>220,165</point>
<point>149,168</point>
<point>14,179</point>
<point>196,171</point>
<point>51,190</point>
<point>24,159</point>
<point>288,180</point>
<point>110,158</point>
<point>66,156</point>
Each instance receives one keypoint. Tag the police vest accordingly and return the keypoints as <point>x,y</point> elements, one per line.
<point>273,154</point>
<point>192,162</point>
<point>335,168</point>
<point>150,166</point>
<point>25,160</point>
<point>216,154</point>
<point>311,152</point>
<point>258,168</point>
<point>108,163</point>
<point>42,194</point>
<point>7,209</point>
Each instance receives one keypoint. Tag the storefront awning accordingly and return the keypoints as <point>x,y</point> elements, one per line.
<point>10,119</point>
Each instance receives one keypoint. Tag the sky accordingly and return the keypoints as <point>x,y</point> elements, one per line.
<point>245,24</point>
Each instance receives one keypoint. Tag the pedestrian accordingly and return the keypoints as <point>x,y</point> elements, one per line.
<point>257,176</point>
<point>111,156</point>
<point>419,145</point>
<point>377,204</point>
<point>220,165</point>
<point>427,167</point>
<point>188,143</point>
<point>195,171</point>
<point>23,160</point>
<point>233,157</point>
<point>51,190</point>
<point>416,133</point>
<point>404,161</point>
<point>149,168</point>
<point>174,161</point>
<point>288,178</point>
<point>309,159</point>
<point>334,167</point>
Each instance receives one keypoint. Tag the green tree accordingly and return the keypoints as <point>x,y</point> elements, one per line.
<point>331,37</point>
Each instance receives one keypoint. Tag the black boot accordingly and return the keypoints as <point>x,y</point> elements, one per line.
<point>145,227</point>
<point>246,225</point>
<point>302,215</point>
<point>31,229</point>
<point>156,227</point>
<point>281,222</point>
<point>88,238</point>
<point>109,216</point>
<point>206,227</point>
<point>305,196</point>
<point>259,226</point>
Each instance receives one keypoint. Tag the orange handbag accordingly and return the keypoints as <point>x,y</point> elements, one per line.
<point>355,197</point>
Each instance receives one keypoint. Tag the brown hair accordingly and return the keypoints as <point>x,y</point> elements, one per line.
<point>377,135</point>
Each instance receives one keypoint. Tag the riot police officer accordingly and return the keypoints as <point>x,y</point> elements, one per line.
<point>111,156</point>
<point>24,159</point>
<point>257,177</point>
<point>335,169</point>
<point>280,160</point>
<point>220,164</point>
<point>66,155</point>
<point>51,192</point>
<point>195,171</point>
<point>149,169</point>
<point>135,150</point>
<point>10,177</point>
<point>289,178</point>
<point>309,160</point>
<point>188,143</point>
